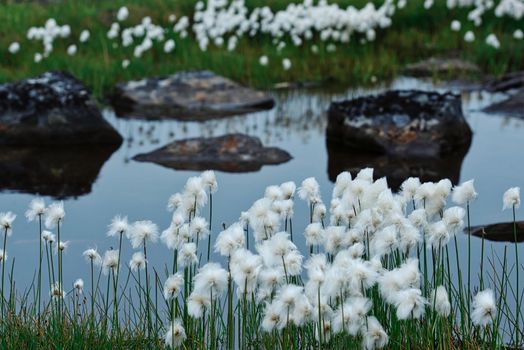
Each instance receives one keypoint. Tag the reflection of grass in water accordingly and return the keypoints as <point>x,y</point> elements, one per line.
<point>356,274</point>
<point>415,33</point>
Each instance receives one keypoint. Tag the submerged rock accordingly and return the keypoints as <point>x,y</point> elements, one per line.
<point>53,108</point>
<point>441,67</point>
<point>500,232</point>
<point>401,124</point>
<point>52,171</point>
<point>199,95</point>
<point>229,153</point>
<point>395,169</point>
<point>513,106</point>
<point>507,82</point>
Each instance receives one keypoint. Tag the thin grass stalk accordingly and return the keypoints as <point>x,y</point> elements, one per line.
<point>517,329</point>
<point>3,270</point>
<point>210,222</point>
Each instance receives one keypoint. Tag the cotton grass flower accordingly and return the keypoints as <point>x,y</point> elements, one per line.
<point>48,237</point>
<point>119,226</point>
<point>518,34</point>
<point>3,256</point>
<point>56,291</point>
<point>455,26</point>
<point>142,232</point>
<point>84,36</point>
<point>187,255</point>
<point>176,334</point>
<point>286,64</point>
<point>91,255</point>
<point>79,285</point>
<point>229,240</point>
<point>138,262</point>
<point>110,262</point>
<point>263,60</point>
<point>13,48</point>
<point>469,37</point>
<point>173,285</point>
<point>493,41</point>
<point>122,14</point>
<point>373,335</point>
<point>439,301</point>
<point>484,308</point>
<point>465,193</point>
<point>169,46</point>
<point>511,198</point>
<point>55,214</point>
<point>211,279</point>
<point>36,209</point>
<point>71,50</point>
<point>6,222</point>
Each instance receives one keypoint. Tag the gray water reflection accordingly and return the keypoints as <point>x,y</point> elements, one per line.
<point>297,125</point>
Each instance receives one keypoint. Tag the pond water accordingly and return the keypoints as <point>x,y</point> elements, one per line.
<point>97,187</point>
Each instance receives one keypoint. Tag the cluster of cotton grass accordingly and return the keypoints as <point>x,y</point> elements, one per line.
<point>223,23</point>
<point>377,270</point>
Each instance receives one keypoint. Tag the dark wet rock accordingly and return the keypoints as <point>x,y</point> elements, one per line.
<point>395,169</point>
<point>441,67</point>
<point>53,108</point>
<point>507,82</point>
<point>500,232</point>
<point>52,171</point>
<point>414,124</point>
<point>513,106</point>
<point>229,153</point>
<point>199,96</point>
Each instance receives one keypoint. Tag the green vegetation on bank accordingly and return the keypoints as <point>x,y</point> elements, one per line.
<point>415,33</point>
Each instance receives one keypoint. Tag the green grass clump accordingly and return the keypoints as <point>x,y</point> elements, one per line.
<point>415,33</point>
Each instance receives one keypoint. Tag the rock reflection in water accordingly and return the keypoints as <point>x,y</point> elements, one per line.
<point>57,172</point>
<point>396,169</point>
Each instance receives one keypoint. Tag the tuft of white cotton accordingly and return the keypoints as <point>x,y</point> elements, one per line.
<point>3,256</point>
<point>173,285</point>
<point>199,228</point>
<point>125,63</point>
<point>409,303</point>
<point>122,14</point>
<point>138,261</point>
<point>197,303</point>
<point>48,237</point>
<point>91,255</point>
<point>493,41</point>
<point>56,291</point>
<point>440,301</point>
<point>464,193</point>
<point>454,219</point>
<point>36,209</point>
<point>71,50</point>
<point>110,262</point>
<point>455,26</point>
<point>187,255</point>
<point>229,240</point>
<point>118,226</point>
<point>245,267</point>
<point>209,180</point>
<point>79,285</point>
<point>38,57</point>
<point>211,280</point>
<point>373,335</point>
<point>314,234</point>
<point>143,231</point>
<point>518,34</point>
<point>409,187</point>
<point>263,60</point>
<point>84,36</point>
<point>288,189</point>
<point>13,48</point>
<point>484,308</point>
<point>169,46</point>
<point>55,214</point>
<point>310,190</point>
<point>286,64</point>
<point>469,37</point>
<point>175,335</point>
<point>6,222</point>
<point>511,198</point>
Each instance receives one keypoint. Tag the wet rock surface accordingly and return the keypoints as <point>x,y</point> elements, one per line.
<point>499,232</point>
<point>228,153</point>
<point>396,169</point>
<point>411,123</point>
<point>52,171</point>
<point>513,106</point>
<point>510,81</point>
<point>199,96</point>
<point>53,108</point>
<point>441,67</point>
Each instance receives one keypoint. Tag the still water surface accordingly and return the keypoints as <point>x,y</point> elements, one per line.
<point>116,184</point>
